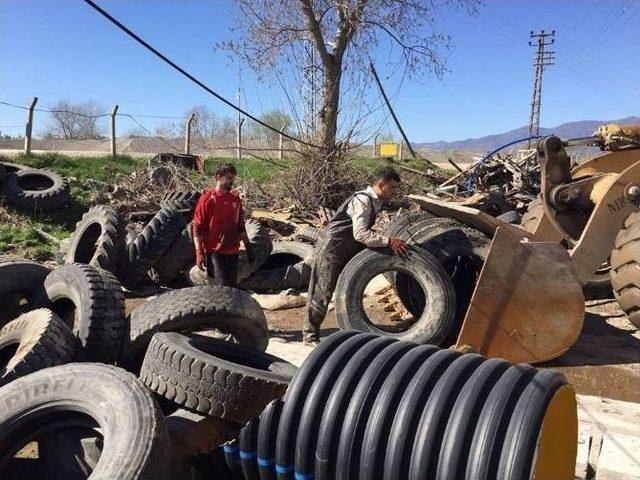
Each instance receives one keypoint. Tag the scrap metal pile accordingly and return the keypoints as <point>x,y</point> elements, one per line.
<point>497,183</point>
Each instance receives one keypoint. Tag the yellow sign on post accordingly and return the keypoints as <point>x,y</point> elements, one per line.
<point>388,149</point>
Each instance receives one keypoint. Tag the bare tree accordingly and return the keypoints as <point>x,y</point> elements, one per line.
<point>345,34</point>
<point>77,120</point>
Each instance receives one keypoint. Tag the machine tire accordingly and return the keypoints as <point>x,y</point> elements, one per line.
<point>214,377</point>
<point>178,258</point>
<point>308,234</point>
<point>180,199</point>
<point>195,309</point>
<point>38,339</point>
<point>625,268</point>
<point>91,302</point>
<point>33,189</point>
<point>261,244</point>
<point>3,173</point>
<point>135,435</point>
<point>435,323</point>
<point>98,239</point>
<point>400,223</point>
<point>150,245</point>
<point>20,281</point>
<point>288,266</point>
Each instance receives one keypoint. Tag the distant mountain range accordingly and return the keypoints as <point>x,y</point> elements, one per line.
<point>484,144</point>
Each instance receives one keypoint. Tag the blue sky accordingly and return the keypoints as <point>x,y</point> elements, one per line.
<point>61,49</point>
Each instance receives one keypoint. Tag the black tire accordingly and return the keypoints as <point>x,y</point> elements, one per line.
<point>311,415</point>
<point>150,245</point>
<point>261,244</point>
<point>180,199</point>
<point>625,268</point>
<point>379,423</point>
<point>36,340</point>
<point>248,444</point>
<point>91,302</point>
<point>307,233</point>
<point>178,258</point>
<point>72,395</point>
<point>459,249</point>
<point>231,452</point>
<point>436,413</point>
<point>488,439</point>
<point>13,167</point>
<point>295,399</point>
<point>512,217</point>
<point>333,413</point>
<point>360,404</point>
<point>399,223</point>
<point>267,436</point>
<point>214,377</point>
<point>435,323</point>
<point>3,173</point>
<point>98,239</point>
<point>32,189</point>
<point>288,266</point>
<point>20,281</point>
<point>405,424</point>
<point>194,309</point>
<point>458,434</point>
<point>523,434</point>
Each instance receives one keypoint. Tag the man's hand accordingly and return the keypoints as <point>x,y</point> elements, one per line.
<point>398,246</point>
<point>200,259</point>
<point>249,249</point>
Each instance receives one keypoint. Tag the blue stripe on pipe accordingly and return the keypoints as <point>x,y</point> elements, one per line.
<point>247,455</point>
<point>303,476</point>
<point>285,468</point>
<point>265,462</point>
<point>229,448</point>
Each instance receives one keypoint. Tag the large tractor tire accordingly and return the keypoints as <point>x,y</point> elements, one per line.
<point>625,268</point>
<point>31,189</point>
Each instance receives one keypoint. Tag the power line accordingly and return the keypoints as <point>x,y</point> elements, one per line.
<point>45,110</point>
<point>188,75</point>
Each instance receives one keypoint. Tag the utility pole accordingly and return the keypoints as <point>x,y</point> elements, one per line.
<point>187,134</point>
<point>114,112</point>
<point>28,129</point>
<point>310,89</point>
<point>239,130</point>
<point>544,58</point>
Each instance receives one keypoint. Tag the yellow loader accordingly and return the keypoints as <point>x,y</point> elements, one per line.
<point>528,303</point>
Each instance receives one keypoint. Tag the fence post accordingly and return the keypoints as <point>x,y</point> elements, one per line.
<point>239,140</point>
<point>114,112</point>
<point>375,146</point>
<point>29,126</point>
<point>187,134</point>
<point>280,140</point>
<point>400,151</point>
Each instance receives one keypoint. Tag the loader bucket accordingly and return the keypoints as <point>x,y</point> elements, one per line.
<point>528,304</point>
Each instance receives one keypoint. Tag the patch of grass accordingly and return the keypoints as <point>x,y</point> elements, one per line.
<point>25,240</point>
<point>254,169</point>
<point>103,168</point>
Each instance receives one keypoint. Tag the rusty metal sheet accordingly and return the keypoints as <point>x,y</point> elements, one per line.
<point>528,304</point>
<point>471,217</point>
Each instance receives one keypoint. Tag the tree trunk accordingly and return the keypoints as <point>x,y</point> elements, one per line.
<point>330,103</point>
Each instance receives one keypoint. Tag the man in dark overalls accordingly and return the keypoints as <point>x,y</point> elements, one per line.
<point>348,232</point>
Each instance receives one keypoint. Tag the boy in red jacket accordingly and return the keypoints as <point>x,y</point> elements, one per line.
<point>218,228</point>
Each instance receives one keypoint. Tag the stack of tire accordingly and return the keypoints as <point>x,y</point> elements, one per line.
<point>434,281</point>
<point>370,407</point>
<point>162,251</point>
<point>73,374</point>
<point>32,189</point>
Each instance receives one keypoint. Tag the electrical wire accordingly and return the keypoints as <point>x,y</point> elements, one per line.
<point>146,45</point>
